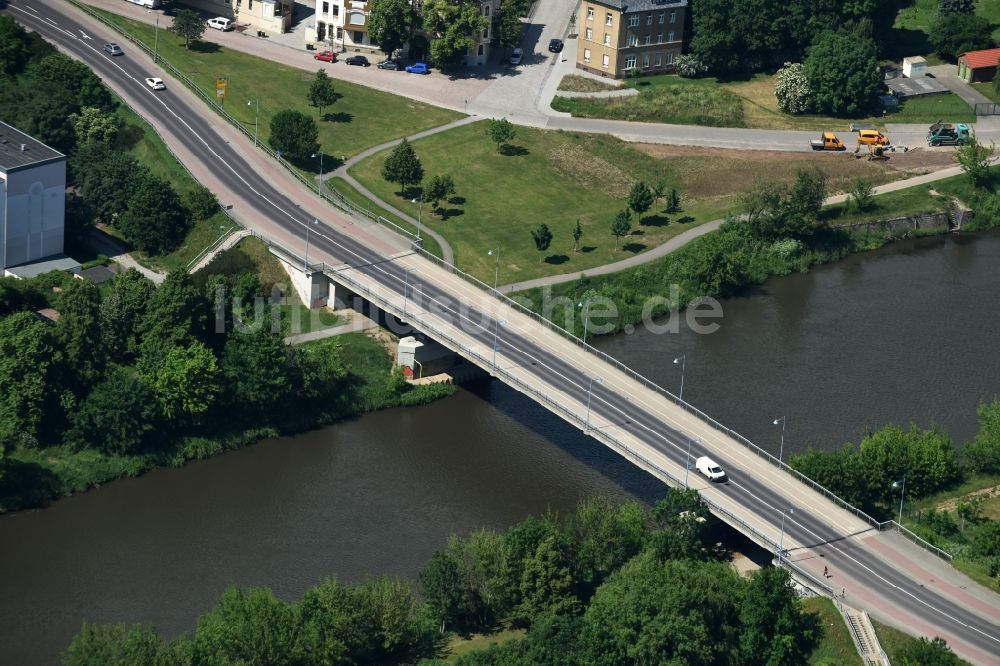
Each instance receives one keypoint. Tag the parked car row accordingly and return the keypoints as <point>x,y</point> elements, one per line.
<point>362,61</point>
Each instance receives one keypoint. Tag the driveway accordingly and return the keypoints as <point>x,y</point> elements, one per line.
<point>949,77</point>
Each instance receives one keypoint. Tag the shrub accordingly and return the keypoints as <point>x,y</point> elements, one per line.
<point>690,66</point>
<point>792,89</point>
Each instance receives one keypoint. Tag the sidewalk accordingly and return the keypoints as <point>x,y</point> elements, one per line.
<point>116,252</point>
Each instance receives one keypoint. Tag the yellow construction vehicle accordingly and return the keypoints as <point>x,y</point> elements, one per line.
<point>874,142</point>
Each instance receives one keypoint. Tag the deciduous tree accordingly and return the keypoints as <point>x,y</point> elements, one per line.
<point>188,26</point>
<point>184,380</point>
<point>842,70</point>
<point>254,371</point>
<point>294,133</point>
<point>501,131</point>
<point>792,89</point>
<point>93,124</point>
<point>577,235</point>
<point>640,199</point>
<point>252,627</point>
<point>154,219</point>
<point>115,416</point>
<point>455,26</point>
<point>321,92</point>
<point>390,24</point>
<point>403,166</point>
<point>621,226</point>
<point>542,237</point>
<point>28,361</point>
<point>975,159</point>
<point>955,33</point>
<point>437,189</point>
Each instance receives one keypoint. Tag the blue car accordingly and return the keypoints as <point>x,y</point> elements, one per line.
<point>418,68</point>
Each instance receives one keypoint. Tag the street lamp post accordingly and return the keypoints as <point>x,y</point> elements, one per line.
<point>590,393</point>
<point>902,491</point>
<point>781,448</point>
<point>256,118</point>
<point>687,463</point>
<point>495,253</point>
<point>496,334</point>
<point>781,539</point>
<point>585,306</point>
<point>319,185</point>
<point>156,37</point>
<point>305,260</point>
<point>420,213</point>
<point>406,287</point>
<point>682,360</point>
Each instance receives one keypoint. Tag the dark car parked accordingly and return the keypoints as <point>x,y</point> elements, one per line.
<point>358,60</point>
<point>555,45</point>
<point>390,64</point>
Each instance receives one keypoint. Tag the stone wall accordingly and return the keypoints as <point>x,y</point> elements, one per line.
<point>926,222</point>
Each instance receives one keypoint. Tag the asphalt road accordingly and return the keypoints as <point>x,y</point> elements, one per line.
<point>193,126</point>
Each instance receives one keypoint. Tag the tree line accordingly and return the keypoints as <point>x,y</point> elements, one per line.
<point>610,584</point>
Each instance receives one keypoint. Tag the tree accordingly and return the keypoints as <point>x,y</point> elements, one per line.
<point>78,334</point>
<point>154,219</point>
<point>403,166</point>
<point>924,652</point>
<point>321,92</point>
<point>500,131</point>
<point>441,589</point>
<point>607,535</point>
<point>542,237</point>
<point>455,26</point>
<point>294,133</point>
<point>673,200</point>
<point>955,33</point>
<point>808,193</point>
<point>188,26</point>
<point>547,584</point>
<point>577,235</point>
<point>93,124</point>
<point>175,315</point>
<point>509,26</point>
<point>318,371</point>
<point>640,199</point>
<point>106,178</point>
<point>72,77</point>
<point>438,188</point>
<point>842,69</point>
<point>183,380</point>
<point>390,24</point>
<point>120,311</point>
<point>28,361</point>
<point>254,371</point>
<point>252,627</point>
<point>975,159</point>
<point>201,203</point>
<point>115,645</point>
<point>792,89</point>
<point>116,416</point>
<point>772,628</point>
<point>680,520</point>
<point>15,47</point>
<point>621,226</point>
<point>982,454</point>
<point>862,194</point>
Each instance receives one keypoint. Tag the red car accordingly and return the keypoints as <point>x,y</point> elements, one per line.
<point>328,56</point>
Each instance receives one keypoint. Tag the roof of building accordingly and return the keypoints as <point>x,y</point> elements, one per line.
<point>96,275</point>
<point>984,58</point>
<point>19,150</point>
<point>923,85</point>
<point>59,263</point>
<point>627,6</point>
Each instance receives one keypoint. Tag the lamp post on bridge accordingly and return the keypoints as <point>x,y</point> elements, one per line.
<point>781,539</point>
<point>255,102</point>
<point>406,286</point>
<point>496,333</point>
<point>495,253</point>
<point>687,463</point>
<point>682,360</point>
<point>305,259</point>
<point>420,213</point>
<point>156,37</point>
<point>590,393</point>
<point>319,185</point>
<point>584,305</point>
<point>902,492</point>
<point>781,449</point>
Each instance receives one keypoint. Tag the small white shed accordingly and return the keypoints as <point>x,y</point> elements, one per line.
<point>914,67</point>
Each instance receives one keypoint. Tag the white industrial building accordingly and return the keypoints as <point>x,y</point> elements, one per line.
<point>32,200</point>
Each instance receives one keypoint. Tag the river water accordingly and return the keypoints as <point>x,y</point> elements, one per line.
<point>904,334</point>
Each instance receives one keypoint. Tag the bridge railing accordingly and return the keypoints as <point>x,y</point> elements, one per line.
<point>339,200</point>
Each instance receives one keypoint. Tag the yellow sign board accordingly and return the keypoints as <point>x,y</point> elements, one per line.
<point>220,88</point>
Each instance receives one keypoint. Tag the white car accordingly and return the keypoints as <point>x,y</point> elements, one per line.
<point>155,83</point>
<point>515,57</point>
<point>710,469</point>
<point>220,23</point>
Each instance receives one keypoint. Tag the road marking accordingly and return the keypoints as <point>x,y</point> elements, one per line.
<point>85,35</point>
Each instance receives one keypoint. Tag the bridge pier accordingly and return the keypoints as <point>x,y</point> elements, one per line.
<point>314,288</point>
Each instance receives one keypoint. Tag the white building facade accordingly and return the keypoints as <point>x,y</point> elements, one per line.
<point>32,199</point>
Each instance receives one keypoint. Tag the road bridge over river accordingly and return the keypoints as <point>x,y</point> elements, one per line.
<point>878,569</point>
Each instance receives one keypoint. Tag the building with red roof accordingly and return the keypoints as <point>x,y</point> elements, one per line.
<point>978,66</point>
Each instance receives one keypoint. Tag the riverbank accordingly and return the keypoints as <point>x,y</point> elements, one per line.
<point>35,476</point>
<point>725,262</point>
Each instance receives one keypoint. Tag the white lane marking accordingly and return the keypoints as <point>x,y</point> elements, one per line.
<point>554,372</point>
<point>27,7</point>
<point>85,35</point>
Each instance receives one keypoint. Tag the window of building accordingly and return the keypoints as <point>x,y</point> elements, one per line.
<point>659,38</point>
<point>605,61</point>
<point>486,33</point>
<point>359,37</point>
<point>320,32</point>
<point>649,19</point>
<point>608,19</point>
<point>673,17</point>
<point>590,13</point>
<point>645,61</point>
<point>633,21</point>
<point>326,7</point>
<point>586,55</point>
<point>607,39</point>
<point>647,39</point>
<point>249,5</point>
<point>486,12</point>
<point>631,40</point>
<point>658,59</point>
<point>480,50</point>
<point>336,10</point>
<point>670,36</point>
<point>590,34</point>
<point>670,58</point>
<point>630,62</point>
<point>660,20</point>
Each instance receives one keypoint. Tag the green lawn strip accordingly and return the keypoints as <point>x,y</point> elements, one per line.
<point>910,201</point>
<point>835,644</point>
<point>459,646</point>
<point>361,118</point>
<point>553,178</point>
<point>989,90</point>
<point>348,192</point>
<point>894,641</point>
<point>668,98</point>
<point>35,476</point>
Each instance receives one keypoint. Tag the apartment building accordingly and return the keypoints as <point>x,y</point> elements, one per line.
<point>270,16</point>
<point>616,37</point>
<point>342,25</point>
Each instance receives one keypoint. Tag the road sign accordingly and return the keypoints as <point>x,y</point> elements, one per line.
<point>220,88</point>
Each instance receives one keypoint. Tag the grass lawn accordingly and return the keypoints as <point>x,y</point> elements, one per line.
<point>558,177</point>
<point>348,192</point>
<point>988,90</point>
<point>835,645</point>
<point>919,16</point>
<point>894,641</point>
<point>911,201</point>
<point>458,646</point>
<point>669,98</point>
<point>361,118</point>
<point>575,83</point>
